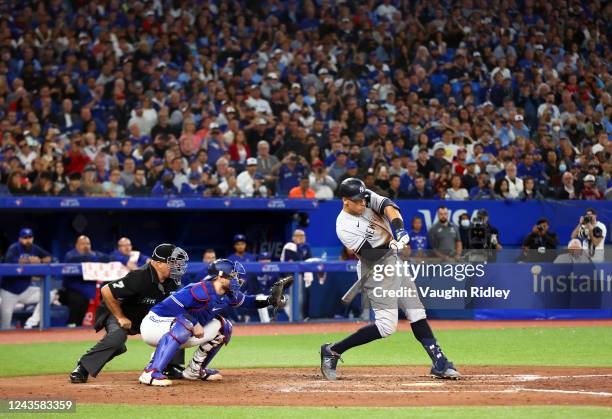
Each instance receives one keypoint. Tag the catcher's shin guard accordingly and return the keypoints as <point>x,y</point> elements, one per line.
<point>180,332</point>
<point>196,370</point>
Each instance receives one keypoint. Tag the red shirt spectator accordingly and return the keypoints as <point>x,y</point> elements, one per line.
<point>239,150</point>
<point>75,160</point>
<point>590,191</point>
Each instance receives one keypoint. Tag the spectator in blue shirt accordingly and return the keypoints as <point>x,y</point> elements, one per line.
<point>127,256</point>
<point>77,293</point>
<point>194,187</point>
<point>18,289</point>
<point>408,178</point>
<point>215,145</point>
<point>528,167</point>
<point>419,242</point>
<point>165,185</point>
<point>519,129</point>
<point>483,190</point>
<point>289,174</point>
<point>240,250</point>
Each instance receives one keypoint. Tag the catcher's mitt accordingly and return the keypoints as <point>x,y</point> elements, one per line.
<point>277,296</point>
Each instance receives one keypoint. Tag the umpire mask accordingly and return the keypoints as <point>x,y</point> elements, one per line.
<point>175,257</point>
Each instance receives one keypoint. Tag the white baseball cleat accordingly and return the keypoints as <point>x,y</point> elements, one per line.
<point>208,374</point>
<point>154,378</point>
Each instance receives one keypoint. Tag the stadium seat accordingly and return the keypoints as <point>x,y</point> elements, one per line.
<point>437,80</point>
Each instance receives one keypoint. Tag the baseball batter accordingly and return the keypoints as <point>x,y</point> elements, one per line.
<point>190,317</point>
<point>372,227</point>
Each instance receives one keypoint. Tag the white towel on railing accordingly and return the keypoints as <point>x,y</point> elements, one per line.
<point>95,271</point>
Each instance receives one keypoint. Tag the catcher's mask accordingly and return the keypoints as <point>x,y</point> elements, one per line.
<point>225,268</point>
<point>175,257</point>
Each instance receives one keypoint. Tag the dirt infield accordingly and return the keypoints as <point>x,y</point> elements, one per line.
<point>372,386</point>
<point>357,386</point>
<point>86,334</point>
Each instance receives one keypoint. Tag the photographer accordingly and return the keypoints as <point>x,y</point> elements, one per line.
<point>592,234</point>
<point>323,184</point>
<point>482,238</point>
<point>542,241</point>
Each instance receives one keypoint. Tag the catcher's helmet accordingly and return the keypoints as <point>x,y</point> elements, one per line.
<point>353,189</point>
<point>228,269</point>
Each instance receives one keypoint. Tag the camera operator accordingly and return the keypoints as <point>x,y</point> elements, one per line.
<point>540,244</point>
<point>464,230</point>
<point>482,239</point>
<point>592,234</point>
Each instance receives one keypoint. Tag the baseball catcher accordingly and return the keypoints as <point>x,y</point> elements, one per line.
<point>369,225</point>
<point>190,317</point>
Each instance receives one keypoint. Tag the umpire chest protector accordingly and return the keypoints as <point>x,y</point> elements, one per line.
<point>137,293</point>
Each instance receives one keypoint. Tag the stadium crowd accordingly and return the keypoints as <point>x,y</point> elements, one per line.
<point>422,99</point>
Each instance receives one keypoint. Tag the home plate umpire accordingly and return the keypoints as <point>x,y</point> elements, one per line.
<point>126,302</point>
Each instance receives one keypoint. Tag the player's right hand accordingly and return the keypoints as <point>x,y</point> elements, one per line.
<point>402,236</point>
<point>124,323</point>
<point>401,240</point>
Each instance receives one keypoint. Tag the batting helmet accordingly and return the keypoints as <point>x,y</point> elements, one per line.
<point>353,189</point>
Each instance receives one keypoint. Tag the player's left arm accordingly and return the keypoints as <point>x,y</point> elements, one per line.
<point>393,214</point>
<point>45,257</point>
<point>385,207</point>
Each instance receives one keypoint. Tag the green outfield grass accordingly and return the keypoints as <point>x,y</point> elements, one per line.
<point>529,346</point>
<point>132,411</point>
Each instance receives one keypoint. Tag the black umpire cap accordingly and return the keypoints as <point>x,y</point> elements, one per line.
<point>162,252</point>
<point>353,189</point>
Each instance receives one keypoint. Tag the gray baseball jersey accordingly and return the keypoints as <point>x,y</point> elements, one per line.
<point>372,226</point>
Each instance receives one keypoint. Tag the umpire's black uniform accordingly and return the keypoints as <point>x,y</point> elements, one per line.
<point>137,293</point>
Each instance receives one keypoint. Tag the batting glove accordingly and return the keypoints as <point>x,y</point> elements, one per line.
<point>401,240</point>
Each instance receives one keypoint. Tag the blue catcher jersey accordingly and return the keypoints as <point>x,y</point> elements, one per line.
<point>199,301</point>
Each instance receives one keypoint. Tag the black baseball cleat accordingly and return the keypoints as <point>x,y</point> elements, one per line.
<point>329,361</point>
<point>447,372</point>
<point>79,375</point>
<point>174,372</point>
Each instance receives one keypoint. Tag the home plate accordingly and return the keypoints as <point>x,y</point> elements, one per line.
<point>423,384</point>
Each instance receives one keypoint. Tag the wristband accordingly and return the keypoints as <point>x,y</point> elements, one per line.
<point>398,225</point>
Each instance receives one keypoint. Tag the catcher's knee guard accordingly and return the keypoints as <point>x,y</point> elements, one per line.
<point>180,332</point>
<point>207,351</point>
<point>226,329</point>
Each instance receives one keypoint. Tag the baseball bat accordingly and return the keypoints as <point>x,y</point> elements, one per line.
<point>352,292</point>
<point>355,289</point>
